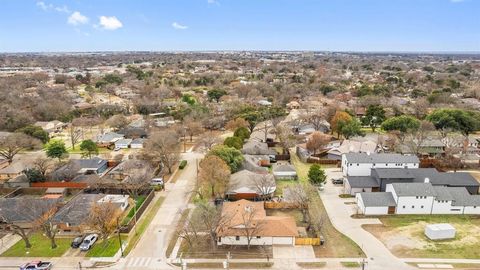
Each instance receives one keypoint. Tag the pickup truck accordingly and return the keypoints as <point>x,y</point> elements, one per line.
<point>36,265</point>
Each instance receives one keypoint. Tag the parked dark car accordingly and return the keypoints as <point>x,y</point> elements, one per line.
<point>338,181</point>
<point>77,241</point>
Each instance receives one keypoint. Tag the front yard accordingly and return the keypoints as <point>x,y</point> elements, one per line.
<point>336,244</point>
<point>40,247</point>
<point>404,236</point>
<point>108,249</point>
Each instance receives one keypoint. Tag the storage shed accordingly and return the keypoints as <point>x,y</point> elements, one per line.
<point>441,231</point>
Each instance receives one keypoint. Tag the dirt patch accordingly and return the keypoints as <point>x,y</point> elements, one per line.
<point>410,241</point>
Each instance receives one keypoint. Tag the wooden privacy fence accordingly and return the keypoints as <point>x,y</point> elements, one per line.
<point>307,241</point>
<point>129,226</point>
<point>323,161</point>
<point>58,185</point>
<point>280,205</point>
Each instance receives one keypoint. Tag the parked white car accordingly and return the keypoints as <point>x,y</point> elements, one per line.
<point>88,242</point>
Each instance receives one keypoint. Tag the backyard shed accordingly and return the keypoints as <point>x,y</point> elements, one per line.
<point>441,231</point>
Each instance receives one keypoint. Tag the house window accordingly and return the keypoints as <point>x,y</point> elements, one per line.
<point>358,164</point>
<point>421,206</point>
<point>258,237</point>
<point>237,238</point>
<point>413,206</point>
<point>404,207</point>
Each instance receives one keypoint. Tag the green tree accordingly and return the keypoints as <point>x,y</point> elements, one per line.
<point>374,116</point>
<point>350,128</point>
<point>316,175</point>
<point>56,149</point>
<point>35,132</point>
<point>88,148</point>
<point>34,175</point>
<point>462,121</point>
<point>233,157</point>
<point>234,142</point>
<point>402,123</point>
<point>242,133</point>
<point>216,94</point>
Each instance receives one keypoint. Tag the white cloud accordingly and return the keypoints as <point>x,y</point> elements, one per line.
<point>110,23</point>
<point>179,26</point>
<point>77,18</point>
<point>47,7</point>
<point>213,2</point>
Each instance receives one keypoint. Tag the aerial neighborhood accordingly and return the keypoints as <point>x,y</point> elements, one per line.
<point>282,160</point>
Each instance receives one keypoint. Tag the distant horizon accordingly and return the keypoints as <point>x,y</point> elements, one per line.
<point>245,50</point>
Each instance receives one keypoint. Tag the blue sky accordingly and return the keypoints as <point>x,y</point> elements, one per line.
<point>171,25</point>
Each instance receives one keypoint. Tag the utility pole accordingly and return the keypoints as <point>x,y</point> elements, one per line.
<point>363,263</point>
<point>119,237</point>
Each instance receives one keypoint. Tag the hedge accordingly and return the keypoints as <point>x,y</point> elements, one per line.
<point>182,165</point>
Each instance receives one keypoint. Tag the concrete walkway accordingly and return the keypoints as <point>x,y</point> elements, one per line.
<point>379,257</point>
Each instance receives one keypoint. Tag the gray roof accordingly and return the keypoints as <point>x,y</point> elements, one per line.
<point>461,197</point>
<point>443,193</point>
<point>77,210</point>
<point>413,189</point>
<point>380,158</point>
<point>24,209</point>
<point>284,168</point>
<point>398,173</point>
<point>253,147</point>
<point>250,182</point>
<point>362,181</point>
<point>372,199</point>
<point>94,162</point>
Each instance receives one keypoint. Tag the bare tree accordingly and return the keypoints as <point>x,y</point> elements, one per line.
<point>214,173</point>
<point>264,185</point>
<point>317,141</point>
<point>264,127</point>
<point>193,127</point>
<point>7,226</point>
<point>298,195</point>
<point>11,145</point>
<point>43,165</point>
<point>75,134</point>
<point>209,139</point>
<point>251,226</point>
<point>316,119</point>
<point>415,140</point>
<point>162,148</point>
<point>117,122</point>
<point>103,219</point>
<point>213,220</point>
<point>42,214</point>
<point>236,123</point>
<point>67,172</point>
<point>286,137</point>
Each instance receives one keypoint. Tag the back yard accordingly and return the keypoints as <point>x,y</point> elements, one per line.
<point>404,236</point>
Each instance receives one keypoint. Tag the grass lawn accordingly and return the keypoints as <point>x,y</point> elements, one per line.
<point>311,265</point>
<point>138,202</point>
<point>109,249</point>
<point>251,265</point>
<point>173,240</point>
<point>40,247</point>
<point>101,150</point>
<point>143,224</point>
<point>336,244</point>
<point>350,264</point>
<point>404,236</point>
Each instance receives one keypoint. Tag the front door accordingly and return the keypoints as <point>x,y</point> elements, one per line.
<point>391,210</point>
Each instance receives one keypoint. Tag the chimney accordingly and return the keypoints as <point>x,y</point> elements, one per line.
<point>427,180</point>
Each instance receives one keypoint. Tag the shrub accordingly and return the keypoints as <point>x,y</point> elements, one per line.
<point>182,165</point>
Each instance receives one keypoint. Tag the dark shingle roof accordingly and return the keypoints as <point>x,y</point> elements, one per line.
<point>414,189</point>
<point>77,210</point>
<point>398,173</point>
<point>372,199</point>
<point>362,182</point>
<point>380,158</point>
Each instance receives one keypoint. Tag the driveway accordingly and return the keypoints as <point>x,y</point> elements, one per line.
<point>379,257</point>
